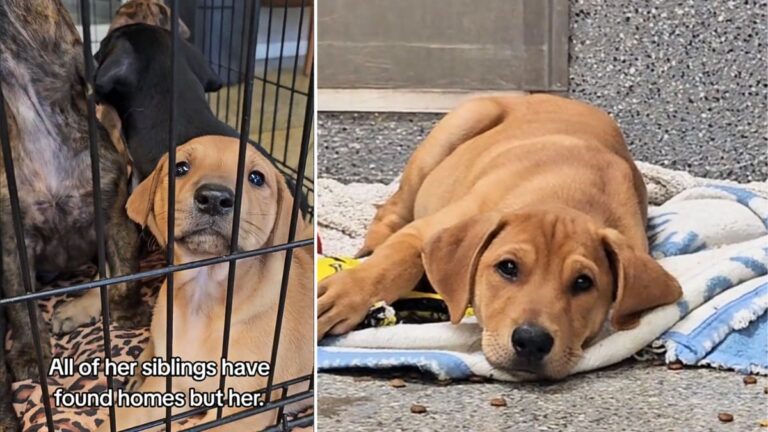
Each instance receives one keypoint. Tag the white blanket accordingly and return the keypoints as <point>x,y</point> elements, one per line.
<point>713,236</point>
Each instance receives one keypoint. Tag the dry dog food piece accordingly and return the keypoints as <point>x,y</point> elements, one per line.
<point>499,402</point>
<point>397,383</point>
<point>675,366</point>
<point>362,378</point>
<point>418,409</point>
<point>725,417</point>
<point>750,379</point>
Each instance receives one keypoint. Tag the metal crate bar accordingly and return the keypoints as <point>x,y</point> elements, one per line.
<point>21,248</point>
<point>245,129</point>
<point>243,120</point>
<point>98,208</point>
<point>293,82</point>
<point>306,136</point>
<point>152,273</point>
<point>264,80</point>
<point>245,413</point>
<point>171,199</point>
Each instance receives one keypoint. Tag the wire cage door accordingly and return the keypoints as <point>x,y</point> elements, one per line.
<point>260,51</point>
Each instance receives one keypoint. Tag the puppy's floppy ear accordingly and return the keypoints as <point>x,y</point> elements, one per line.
<point>118,68</point>
<point>641,283</point>
<point>451,256</point>
<point>184,30</point>
<point>165,21</point>
<point>140,204</point>
<point>282,225</point>
<point>200,67</point>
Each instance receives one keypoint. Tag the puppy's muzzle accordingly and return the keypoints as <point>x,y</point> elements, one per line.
<point>214,199</point>
<point>532,342</point>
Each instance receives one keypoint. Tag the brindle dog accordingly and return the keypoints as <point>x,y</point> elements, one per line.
<point>152,12</point>
<point>42,77</point>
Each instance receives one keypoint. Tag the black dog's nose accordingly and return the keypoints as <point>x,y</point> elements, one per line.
<point>532,342</point>
<point>214,199</point>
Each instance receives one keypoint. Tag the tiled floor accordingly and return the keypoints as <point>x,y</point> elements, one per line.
<point>277,118</point>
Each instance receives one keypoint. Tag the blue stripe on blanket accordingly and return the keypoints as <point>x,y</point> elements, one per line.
<point>745,198</point>
<point>673,242</point>
<point>738,351</point>
<point>439,363</point>
<point>691,348</point>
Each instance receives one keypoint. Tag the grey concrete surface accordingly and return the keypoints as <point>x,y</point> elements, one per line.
<point>368,147</point>
<point>630,397</point>
<point>687,80</point>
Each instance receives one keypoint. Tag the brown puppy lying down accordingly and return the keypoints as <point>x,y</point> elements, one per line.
<point>531,210</point>
<point>206,170</point>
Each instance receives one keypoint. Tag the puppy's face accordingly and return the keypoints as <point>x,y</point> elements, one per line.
<point>152,12</point>
<point>542,283</point>
<point>206,174</point>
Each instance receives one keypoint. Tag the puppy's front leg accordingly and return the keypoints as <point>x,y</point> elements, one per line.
<point>125,302</point>
<point>394,269</point>
<point>126,306</point>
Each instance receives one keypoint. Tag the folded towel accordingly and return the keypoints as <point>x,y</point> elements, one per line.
<point>712,237</point>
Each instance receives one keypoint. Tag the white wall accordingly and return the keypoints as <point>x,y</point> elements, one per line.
<point>291,33</point>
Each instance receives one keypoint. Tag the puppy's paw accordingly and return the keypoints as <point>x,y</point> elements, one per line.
<point>343,301</point>
<point>79,311</point>
<point>134,382</point>
<point>126,307</point>
<point>377,234</point>
<point>133,318</point>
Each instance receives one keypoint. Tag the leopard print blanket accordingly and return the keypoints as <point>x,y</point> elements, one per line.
<point>84,344</point>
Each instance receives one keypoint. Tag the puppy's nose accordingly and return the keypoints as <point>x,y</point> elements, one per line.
<point>532,342</point>
<point>214,199</point>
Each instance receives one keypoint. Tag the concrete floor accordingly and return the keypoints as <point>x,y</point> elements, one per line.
<point>373,147</point>
<point>628,397</point>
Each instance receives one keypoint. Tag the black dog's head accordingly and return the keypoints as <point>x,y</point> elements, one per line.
<point>134,77</point>
<point>137,57</point>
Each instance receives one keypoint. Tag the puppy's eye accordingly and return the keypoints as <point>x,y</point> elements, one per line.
<point>182,168</point>
<point>507,269</point>
<point>256,178</point>
<point>581,284</point>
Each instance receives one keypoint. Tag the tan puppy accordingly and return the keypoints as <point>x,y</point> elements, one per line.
<point>530,209</point>
<point>206,175</point>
